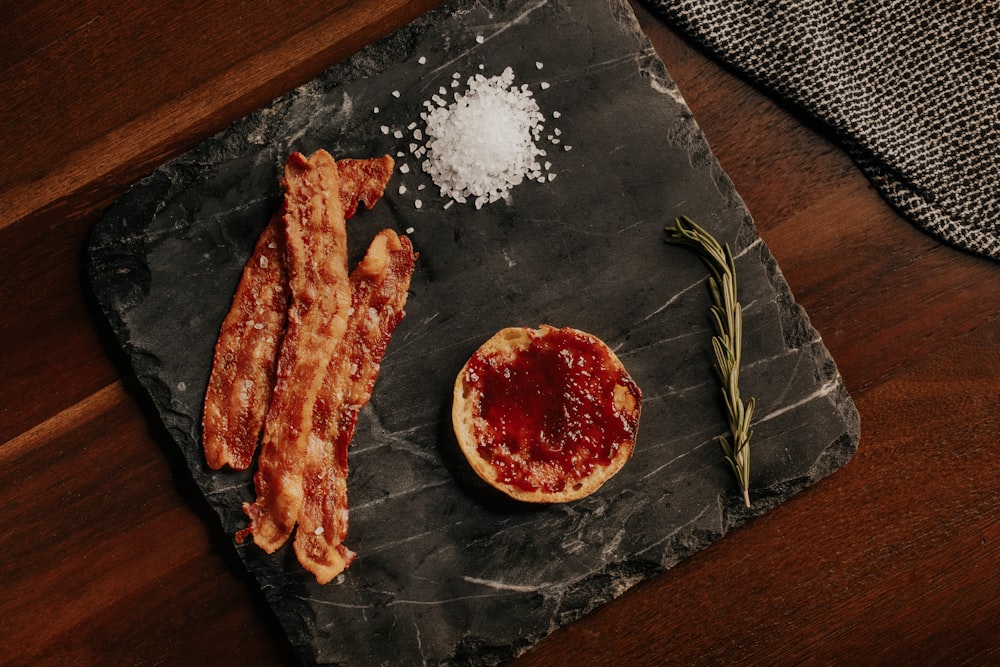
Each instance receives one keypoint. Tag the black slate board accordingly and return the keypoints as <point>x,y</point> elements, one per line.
<point>447,571</point>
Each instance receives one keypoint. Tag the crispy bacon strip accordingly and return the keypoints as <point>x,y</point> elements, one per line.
<point>239,388</point>
<point>378,294</point>
<point>363,181</point>
<point>246,354</point>
<point>316,255</point>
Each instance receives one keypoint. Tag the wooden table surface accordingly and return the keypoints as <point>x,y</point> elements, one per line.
<point>108,553</point>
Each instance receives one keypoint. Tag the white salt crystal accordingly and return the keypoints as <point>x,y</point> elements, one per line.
<point>422,60</point>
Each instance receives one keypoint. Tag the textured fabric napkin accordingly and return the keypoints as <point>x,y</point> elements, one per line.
<point>910,87</point>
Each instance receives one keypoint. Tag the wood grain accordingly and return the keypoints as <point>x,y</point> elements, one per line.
<point>109,556</point>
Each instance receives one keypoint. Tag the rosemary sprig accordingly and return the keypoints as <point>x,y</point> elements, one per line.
<point>727,344</point>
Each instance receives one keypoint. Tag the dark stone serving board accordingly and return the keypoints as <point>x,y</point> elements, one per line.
<point>448,572</point>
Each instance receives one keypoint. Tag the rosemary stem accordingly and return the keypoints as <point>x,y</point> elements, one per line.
<point>727,316</point>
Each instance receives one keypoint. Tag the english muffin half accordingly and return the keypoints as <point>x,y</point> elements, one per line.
<point>545,415</point>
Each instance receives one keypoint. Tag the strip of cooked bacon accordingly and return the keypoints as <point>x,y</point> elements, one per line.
<point>239,388</point>
<point>246,354</point>
<point>379,287</point>
<point>363,181</point>
<point>316,256</point>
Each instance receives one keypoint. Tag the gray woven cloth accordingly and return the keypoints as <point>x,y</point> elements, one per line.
<point>911,88</point>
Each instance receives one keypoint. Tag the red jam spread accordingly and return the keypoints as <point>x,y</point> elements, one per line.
<point>550,413</point>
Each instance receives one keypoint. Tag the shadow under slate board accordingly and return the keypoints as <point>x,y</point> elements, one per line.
<point>446,571</point>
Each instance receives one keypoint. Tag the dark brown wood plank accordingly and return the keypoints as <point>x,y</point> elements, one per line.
<point>51,349</point>
<point>104,551</point>
<point>133,84</point>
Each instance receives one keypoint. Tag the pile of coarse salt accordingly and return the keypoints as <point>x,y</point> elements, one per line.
<point>483,144</point>
<point>480,145</point>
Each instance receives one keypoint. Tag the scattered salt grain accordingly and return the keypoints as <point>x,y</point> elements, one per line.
<point>409,230</point>
<point>422,60</point>
<point>375,110</point>
<point>402,189</point>
<point>398,134</point>
<point>182,386</point>
<point>539,65</point>
<point>480,39</point>
<point>556,114</point>
<point>417,203</point>
<point>544,85</point>
<point>404,168</point>
<point>395,93</point>
<point>385,129</point>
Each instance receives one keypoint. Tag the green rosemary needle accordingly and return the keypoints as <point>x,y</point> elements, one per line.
<point>727,344</point>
